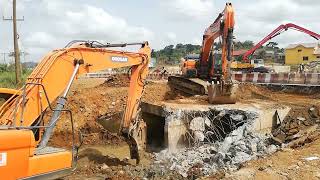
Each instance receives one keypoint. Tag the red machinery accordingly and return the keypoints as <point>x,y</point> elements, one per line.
<point>276,32</point>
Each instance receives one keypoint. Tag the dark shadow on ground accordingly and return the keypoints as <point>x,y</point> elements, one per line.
<point>98,158</point>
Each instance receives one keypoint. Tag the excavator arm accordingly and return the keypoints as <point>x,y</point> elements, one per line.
<point>280,29</point>
<point>208,70</point>
<point>51,80</point>
<point>222,27</point>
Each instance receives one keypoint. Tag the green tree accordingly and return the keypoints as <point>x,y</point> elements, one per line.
<point>273,46</point>
<point>261,54</point>
<point>243,45</point>
<point>172,54</point>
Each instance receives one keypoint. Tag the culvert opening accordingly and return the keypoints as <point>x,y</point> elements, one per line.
<point>155,132</point>
<point>223,123</point>
<point>222,139</point>
<point>207,127</point>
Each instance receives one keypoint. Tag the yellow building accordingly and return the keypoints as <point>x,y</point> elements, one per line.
<point>302,53</point>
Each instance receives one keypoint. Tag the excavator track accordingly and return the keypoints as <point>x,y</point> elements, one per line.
<point>190,86</point>
<point>217,93</point>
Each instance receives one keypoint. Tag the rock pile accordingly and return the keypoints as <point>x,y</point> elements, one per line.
<point>237,147</point>
<point>297,126</point>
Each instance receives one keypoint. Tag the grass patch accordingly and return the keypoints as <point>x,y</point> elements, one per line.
<point>8,80</point>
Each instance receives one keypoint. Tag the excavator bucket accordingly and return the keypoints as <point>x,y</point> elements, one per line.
<point>136,138</point>
<point>222,93</point>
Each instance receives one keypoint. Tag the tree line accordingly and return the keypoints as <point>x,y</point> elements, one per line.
<point>172,54</point>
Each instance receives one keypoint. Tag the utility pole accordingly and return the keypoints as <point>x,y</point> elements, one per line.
<point>15,43</point>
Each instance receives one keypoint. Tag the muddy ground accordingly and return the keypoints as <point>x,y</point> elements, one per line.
<point>105,155</point>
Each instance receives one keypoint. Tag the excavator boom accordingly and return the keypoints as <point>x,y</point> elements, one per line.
<point>222,27</point>
<point>21,116</point>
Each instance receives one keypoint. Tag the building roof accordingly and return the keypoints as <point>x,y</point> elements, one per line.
<point>306,45</point>
<point>239,52</point>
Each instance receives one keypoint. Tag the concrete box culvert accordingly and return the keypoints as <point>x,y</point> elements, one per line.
<point>178,133</point>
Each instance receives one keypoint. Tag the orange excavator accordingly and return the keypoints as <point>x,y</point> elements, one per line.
<point>24,134</point>
<point>210,73</point>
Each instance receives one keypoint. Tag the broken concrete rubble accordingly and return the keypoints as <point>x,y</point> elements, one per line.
<point>180,125</point>
<point>227,140</point>
<point>296,128</point>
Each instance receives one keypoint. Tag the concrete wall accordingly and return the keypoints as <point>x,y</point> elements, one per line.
<point>281,69</point>
<point>176,124</point>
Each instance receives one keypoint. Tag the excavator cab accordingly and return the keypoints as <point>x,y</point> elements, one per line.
<point>188,66</point>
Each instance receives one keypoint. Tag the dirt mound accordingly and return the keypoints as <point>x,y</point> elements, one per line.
<point>298,126</point>
<point>102,137</point>
<point>250,91</point>
<point>106,99</point>
<point>118,80</point>
<point>87,105</point>
<point>158,92</point>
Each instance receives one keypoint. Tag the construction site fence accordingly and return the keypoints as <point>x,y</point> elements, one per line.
<point>278,78</point>
<point>257,78</point>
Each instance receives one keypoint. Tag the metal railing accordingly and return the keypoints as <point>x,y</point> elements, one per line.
<point>41,119</point>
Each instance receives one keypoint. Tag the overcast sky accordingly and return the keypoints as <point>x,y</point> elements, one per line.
<point>51,24</point>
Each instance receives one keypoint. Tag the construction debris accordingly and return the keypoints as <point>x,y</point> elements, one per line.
<point>117,80</point>
<point>296,128</point>
<point>223,140</point>
<point>311,158</point>
<point>210,150</point>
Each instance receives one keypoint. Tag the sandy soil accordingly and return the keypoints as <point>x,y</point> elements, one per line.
<point>106,162</point>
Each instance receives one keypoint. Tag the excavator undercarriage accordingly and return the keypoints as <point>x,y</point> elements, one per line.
<point>189,86</point>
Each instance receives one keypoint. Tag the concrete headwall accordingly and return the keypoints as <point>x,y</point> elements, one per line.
<point>177,123</point>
